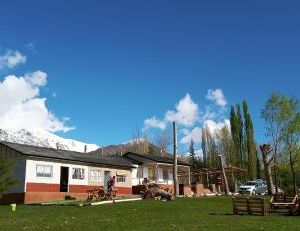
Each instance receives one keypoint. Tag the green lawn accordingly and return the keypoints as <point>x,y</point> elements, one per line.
<point>181,214</point>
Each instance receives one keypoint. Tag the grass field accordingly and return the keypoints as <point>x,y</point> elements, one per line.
<point>181,214</point>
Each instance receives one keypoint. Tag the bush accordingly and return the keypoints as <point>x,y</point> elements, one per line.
<point>6,180</point>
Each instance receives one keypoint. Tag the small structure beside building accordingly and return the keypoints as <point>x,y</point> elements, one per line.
<point>158,169</point>
<point>46,174</point>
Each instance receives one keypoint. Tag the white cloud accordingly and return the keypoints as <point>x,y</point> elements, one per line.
<point>214,126</point>
<point>22,108</point>
<point>195,134</point>
<point>217,96</point>
<point>187,112</point>
<point>188,135</point>
<point>192,118</point>
<point>198,153</point>
<point>11,59</point>
<point>208,114</point>
<point>154,123</point>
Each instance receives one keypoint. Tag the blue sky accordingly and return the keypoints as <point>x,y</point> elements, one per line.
<point>111,65</point>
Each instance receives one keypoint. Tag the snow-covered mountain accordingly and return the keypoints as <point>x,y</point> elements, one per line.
<point>44,139</point>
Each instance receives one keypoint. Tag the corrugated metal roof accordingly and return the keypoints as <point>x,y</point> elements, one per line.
<point>36,151</point>
<point>143,158</point>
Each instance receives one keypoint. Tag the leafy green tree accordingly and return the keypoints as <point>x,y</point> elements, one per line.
<point>211,149</point>
<point>226,146</point>
<point>234,125</point>
<point>291,138</point>
<point>204,146</point>
<point>192,154</point>
<point>6,180</point>
<point>240,134</point>
<point>277,113</point>
<point>250,143</point>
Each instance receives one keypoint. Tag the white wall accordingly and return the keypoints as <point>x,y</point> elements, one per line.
<point>55,179</point>
<point>160,175</point>
<point>134,175</point>
<point>143,173</point>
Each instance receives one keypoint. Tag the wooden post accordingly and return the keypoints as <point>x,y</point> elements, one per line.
<point>189,179</point>
<point>207,179</point>
<point>224,176</point>
<point>175,178</point>
<point>156,173</point>
<point>248,206</point>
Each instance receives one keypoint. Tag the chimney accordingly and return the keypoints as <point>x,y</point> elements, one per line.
<point>57,145</point>
<point>161,152</point>
<point>85,148</point>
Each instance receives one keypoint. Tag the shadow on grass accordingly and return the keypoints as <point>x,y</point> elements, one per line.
<point>221,214</point>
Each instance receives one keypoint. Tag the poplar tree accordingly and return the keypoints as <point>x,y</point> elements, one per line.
<point>204,146</point>
<point>226,145</point>
<point>193,160</point>
<point>235,135</point>
<point>212,149</point>
<point>250,143</point>
<point>240,134</point>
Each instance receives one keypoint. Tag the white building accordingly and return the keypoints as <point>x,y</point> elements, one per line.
<point>158,169</point>
<point>46,174</point>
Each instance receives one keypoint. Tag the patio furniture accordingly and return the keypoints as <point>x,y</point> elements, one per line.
<point>249,206</point>
<point>283,201</point>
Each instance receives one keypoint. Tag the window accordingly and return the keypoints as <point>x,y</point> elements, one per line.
<point>121,178</point>
<point>165,174</point>
<point>95,175</point>
<point>78,173</point>
<point>151,174</point>
<point>44,170</point>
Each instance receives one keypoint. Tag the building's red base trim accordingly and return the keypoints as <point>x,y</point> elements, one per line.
<point>37,192</point>
<point>39,187</point>
<point>81,188</point>
<point>84,188</point>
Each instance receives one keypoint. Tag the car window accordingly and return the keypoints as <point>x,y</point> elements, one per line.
<point>250,183</point>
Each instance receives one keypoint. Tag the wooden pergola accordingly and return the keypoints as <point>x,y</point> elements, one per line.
<point>205,174</point>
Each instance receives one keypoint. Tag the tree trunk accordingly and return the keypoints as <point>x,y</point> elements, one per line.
<point>275,171</point>
<point>293,173</point>
<point>224,177</point>
<point>266,149</point>
<point>268,174</point>
<point>258,169</point>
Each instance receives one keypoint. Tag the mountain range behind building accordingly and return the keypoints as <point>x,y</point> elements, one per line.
<point>47,139</point>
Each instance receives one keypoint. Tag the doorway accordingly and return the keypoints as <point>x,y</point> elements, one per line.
<point>181,189</point>
<point>64,179</point>
<point>107,175</point>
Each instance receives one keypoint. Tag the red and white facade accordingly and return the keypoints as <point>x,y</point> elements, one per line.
<point>42,179</point>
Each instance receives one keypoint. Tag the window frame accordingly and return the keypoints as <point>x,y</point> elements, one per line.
<point>78,177</point>
<point>123,177</point>
<point>98,175</point>
<point>152,170</point>
<point>43,174</point>
<point>165,173</point>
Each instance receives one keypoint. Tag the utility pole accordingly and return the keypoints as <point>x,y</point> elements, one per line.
<point>224,176</point>
<point>175,178</point>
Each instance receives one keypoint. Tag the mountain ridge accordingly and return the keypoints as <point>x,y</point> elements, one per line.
<point>45,139</point>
